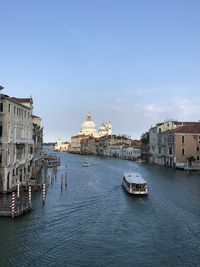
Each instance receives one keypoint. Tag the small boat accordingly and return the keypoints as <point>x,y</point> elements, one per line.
<point>139,161</point>
<point>134,183</point>
<point>86,164</point>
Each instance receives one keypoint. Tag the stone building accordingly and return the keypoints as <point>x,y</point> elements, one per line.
<point>154,147</point>
<point>61,146</point>
<point>166,147</point>
<point>20,142</point>
<point>88,129</point>
<point>187,145</point>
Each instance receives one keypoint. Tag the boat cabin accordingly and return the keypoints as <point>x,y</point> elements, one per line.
<point>135,184</point>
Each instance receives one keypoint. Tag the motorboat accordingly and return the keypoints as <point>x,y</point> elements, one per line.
<point>86,164</point>
<point>134,183</point>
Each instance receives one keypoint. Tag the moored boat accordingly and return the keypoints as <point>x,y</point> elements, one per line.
<point>86,164</point>
<point>134,183</point>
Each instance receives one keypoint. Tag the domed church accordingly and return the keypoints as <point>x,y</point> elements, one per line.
<point>89,128</point>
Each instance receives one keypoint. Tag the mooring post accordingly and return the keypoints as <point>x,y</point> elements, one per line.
<point>52,177</point>
<point>62,182</point>
<point>43,193</point>
<point>56,172</point>
<point>48,180</point>
<point>17,189</point>
<point>65,177</point>
<point>13,204</point>
<point>29,195</point>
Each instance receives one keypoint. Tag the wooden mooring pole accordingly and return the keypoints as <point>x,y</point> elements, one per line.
<point>43,193</point>
<point>62,181</point>
<point>66,175</point>
<point>13,205</point>
<point>29,195</point>
<point>17,189</point>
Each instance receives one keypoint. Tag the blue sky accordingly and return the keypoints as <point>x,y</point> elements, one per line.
<point>134,63</point>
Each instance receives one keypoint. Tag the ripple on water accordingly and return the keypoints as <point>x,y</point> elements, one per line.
<point>94,222</point>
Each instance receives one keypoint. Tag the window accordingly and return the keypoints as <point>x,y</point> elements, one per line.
<point>9,108</point>
<point>159,130</point>
<point>170,150</point>
<point>159,150</point>
<point>197,148</point>
<point>199,139</point>
<point>183,139</point>
<point>14,109</point>
<point>1,130</point>
<point>197,157</point>
<point>0,158</point>
<point>1,107</point>
<point>182,151</point>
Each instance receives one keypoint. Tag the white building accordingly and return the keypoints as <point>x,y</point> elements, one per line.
<point>154,147</point>
<point>18,136</point>
<point>61,146</point>
<point>131,152</point>
<point>88,128</point>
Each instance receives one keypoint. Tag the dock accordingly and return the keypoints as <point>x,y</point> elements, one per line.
<point>7,212</point>
<point>51,160</point>
<point>21,206</point>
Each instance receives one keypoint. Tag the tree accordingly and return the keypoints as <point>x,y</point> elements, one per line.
<point>190,160</point>
<point>145,138</point>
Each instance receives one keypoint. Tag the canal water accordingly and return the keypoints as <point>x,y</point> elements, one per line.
<point>94,222</point>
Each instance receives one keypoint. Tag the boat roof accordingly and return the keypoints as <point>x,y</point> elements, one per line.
<point>134,178</point>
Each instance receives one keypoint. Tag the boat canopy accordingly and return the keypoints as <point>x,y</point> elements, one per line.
<point>134,178</point>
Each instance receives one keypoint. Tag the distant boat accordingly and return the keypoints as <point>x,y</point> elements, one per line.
<point>86,164</point>
<point>134,184</point>
<point>139,161</point>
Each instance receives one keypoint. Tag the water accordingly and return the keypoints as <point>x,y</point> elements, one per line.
<point>94,222</point>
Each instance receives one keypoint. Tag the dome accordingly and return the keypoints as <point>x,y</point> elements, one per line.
<point>88,127</point>
<point>103,127</point>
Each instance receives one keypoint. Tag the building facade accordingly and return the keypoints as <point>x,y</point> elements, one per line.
<point>88,129</point>
<point>177,147</point>
<point>155,142</point>
<point>61,146</point>
<point>187,146</point>
<point>20,142</point>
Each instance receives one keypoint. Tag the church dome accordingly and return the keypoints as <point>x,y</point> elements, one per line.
<point>88,127</point>
<point>103,127</point>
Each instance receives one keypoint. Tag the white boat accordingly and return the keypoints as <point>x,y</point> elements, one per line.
<point>139,161</point>
<point>134,183</point>
<point>86,164</point>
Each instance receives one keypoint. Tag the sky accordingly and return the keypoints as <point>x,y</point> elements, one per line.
<point>132,62</point>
